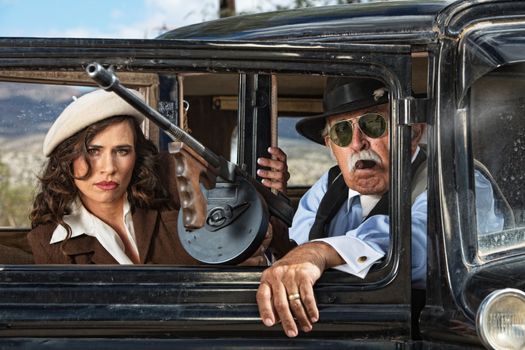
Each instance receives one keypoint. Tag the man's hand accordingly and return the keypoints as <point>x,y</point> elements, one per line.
<point>286,289</point>
<point>277,175</point>
<point>258,258</point>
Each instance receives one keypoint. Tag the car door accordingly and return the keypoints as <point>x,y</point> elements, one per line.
<point>479,128</point>
<point>183,305</point>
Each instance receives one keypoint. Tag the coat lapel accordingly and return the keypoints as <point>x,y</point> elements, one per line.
<point>144,222</point>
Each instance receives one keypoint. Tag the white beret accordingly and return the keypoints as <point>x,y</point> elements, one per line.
<point>86,110</point>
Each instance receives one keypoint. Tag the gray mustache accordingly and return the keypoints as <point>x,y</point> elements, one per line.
<point>362,155</point>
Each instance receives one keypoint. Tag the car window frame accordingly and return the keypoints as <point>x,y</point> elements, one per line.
<point>388,63</point>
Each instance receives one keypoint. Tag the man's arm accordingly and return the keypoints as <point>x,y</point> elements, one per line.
<point>286,289</point>
<point>285,239</point>
<point>304,217</point>
<point>298,271</point>
<point>369,242</point>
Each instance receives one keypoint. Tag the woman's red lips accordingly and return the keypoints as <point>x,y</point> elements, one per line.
<point>106,185</point>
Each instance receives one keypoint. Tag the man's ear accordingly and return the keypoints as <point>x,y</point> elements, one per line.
<point>417,134</point>
<point>328,144</point>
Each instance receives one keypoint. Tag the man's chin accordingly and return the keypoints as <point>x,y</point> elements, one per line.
<point>369,192</point>
<point>367,182</point>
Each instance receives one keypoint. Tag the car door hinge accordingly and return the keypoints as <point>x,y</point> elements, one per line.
<point>413,110</point>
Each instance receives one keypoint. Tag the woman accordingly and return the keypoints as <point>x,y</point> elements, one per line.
<point>104,198</point>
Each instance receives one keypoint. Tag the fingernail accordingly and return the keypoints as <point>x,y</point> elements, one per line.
<point>269,149</point>
<point>268,322</point>
<point>291,333</point>
<point>314,319</point>
<point>259,171</point>
<point>307,329</point>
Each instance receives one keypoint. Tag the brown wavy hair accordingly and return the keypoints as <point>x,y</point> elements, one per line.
<point>57,189</point>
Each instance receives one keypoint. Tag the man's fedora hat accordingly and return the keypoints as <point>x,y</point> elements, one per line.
<point>342,95</point>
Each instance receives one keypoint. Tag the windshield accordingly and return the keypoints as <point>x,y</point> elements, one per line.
<point>497,124</point>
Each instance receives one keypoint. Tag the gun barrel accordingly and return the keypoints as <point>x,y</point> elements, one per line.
<point>107,80</point>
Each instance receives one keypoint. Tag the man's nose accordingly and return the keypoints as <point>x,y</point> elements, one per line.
<point>359,141</point>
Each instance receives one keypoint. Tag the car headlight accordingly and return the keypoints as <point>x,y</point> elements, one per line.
<point>501,319</point>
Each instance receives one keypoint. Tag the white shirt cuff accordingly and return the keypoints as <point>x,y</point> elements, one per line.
<point>358,255</point>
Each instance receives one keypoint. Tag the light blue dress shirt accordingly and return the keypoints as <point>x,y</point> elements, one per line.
<point>361,243</point>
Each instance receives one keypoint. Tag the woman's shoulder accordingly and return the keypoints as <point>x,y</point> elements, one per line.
<point>42,232</point>
<point>43,252</point>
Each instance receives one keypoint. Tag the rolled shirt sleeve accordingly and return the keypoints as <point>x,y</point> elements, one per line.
<point>358,255</point>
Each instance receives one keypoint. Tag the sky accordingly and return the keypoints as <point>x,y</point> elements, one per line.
<point>111,18</point>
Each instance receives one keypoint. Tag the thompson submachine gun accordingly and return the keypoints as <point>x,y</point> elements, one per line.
<point>224,210</point>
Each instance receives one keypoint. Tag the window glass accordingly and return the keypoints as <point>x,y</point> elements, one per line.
<point>28,110</point>
<point>307,160</point>
<point>497,121</point>
<point>211,116</point>
<point>301,96</point>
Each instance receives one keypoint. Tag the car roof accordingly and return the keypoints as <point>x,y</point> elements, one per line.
<point>383,22</point>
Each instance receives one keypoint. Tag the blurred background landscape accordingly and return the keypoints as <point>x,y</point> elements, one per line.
<point>27,112</point>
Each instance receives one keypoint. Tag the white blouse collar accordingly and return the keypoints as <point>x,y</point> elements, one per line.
<point>82,222</point>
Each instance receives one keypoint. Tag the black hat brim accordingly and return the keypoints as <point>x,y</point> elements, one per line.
<point>312,127</point>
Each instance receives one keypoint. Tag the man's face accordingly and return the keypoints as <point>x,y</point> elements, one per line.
<point>365,162</point>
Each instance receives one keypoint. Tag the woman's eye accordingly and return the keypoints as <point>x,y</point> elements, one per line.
<point>123,152</point>
<point>92,151</point>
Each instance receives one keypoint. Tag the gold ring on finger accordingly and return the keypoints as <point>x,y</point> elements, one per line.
<point>294,296</point>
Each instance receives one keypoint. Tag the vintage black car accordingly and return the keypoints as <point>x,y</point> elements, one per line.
<point>238,85</point>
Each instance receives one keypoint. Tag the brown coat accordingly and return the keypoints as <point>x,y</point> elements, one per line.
<point>156,232</point>
<point>157,242</point>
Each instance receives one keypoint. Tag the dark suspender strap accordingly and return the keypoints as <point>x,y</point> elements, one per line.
<point>337,194</point>
<point>334,197</point>
<point>333,174</point>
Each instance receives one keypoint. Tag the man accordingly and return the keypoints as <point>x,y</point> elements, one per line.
<point>344,214</point>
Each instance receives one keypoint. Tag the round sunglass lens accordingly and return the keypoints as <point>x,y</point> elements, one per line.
<point>341,133</point>
<point>373,125</point>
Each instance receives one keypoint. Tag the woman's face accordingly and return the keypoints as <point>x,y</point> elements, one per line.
<point>112,156</point>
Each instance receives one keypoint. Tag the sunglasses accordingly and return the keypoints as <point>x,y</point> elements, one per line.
<point>372,125</point>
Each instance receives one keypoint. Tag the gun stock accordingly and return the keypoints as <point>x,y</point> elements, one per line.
<point>191,170</point>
